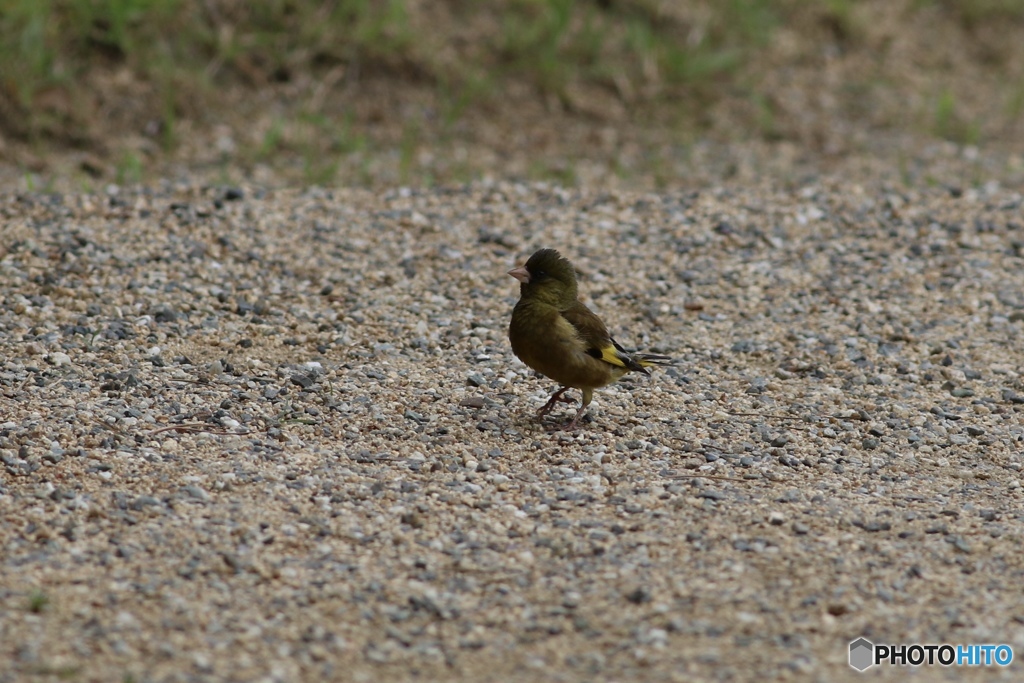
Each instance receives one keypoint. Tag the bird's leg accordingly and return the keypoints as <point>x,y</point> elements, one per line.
<point>555,398</point>
<point>573,424</point>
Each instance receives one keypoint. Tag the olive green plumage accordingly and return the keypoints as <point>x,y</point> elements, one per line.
<point>559,337</point>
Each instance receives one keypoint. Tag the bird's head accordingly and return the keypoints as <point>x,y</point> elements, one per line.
<point>548,276</point>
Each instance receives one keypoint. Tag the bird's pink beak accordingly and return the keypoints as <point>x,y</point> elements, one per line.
<point>521,274</point>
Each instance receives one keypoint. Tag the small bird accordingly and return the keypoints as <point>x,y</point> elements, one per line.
<point>554,333</point>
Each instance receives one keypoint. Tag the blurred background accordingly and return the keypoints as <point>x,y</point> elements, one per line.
<point>618,93</point>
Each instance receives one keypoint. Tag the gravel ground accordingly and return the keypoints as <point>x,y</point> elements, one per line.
<point>281,436</point>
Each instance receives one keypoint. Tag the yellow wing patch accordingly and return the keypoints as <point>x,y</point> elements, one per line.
<point>610,354</point>
<point>614,355</point>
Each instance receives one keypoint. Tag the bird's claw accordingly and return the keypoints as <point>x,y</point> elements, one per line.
<point>572,425</point>
<point>556,397</point>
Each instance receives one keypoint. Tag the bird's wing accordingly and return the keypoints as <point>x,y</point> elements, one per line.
<point>599,343</point>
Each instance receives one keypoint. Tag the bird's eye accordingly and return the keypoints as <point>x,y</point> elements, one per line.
<point>540,275</point>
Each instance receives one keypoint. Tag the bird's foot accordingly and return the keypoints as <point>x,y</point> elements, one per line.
<point>573,424</point>
<point>555,398</point>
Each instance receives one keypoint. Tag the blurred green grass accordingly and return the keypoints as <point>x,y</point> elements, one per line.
<point>190,46</point>
<point>468,53</point>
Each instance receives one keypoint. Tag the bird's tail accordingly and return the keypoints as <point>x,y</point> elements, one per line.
<point>637,362</point>
<point>648,359</point>
<point>642,361</point>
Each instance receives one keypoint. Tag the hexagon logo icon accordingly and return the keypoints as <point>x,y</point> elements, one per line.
<point>862,654</point>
